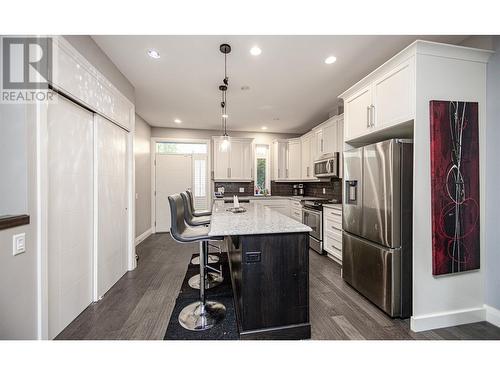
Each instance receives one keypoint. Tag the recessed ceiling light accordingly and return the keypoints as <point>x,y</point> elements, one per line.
<point>330,60</point>
<point>177,121</point>
<point>154,54</point>
<point>255,51</point>
<point>264,128</point>
<point>225,115</point>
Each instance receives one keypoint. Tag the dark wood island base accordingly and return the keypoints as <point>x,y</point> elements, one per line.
<point>270,279</point>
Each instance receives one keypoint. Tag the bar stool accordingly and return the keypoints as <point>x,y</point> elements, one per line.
<point>213,278</point>
<point>191,218</point>
<point>196,213</point>
<point>203,314</point>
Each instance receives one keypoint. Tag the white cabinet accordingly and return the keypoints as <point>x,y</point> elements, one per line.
<point>221,161</point>
<point>279,159</point>
<point>393,96</point>
<point>280,205</point>
<point>358,113</point>
<point>294,163</point>
<point>235,162</point>
<point>319,143</point>
<point>388,99</point>
<point>296,210</point>
<point>306,149</point>
<point>340,144</point>
<point>332,232</point>
<point>329,136</point>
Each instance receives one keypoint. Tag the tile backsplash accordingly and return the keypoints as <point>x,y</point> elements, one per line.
<point>333,188</point>
<point>233,188</point>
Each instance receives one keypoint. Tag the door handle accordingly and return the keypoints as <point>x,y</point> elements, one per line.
<point>372,115</point>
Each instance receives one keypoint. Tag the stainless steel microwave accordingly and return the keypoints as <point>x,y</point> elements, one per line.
<point>327,166</point>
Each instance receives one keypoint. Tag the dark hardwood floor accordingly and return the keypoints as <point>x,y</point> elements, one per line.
<point>139,305</point>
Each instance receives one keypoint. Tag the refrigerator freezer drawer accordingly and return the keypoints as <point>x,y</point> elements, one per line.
<point>374,271</point>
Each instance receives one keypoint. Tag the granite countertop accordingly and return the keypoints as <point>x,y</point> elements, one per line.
<point>257,219</point>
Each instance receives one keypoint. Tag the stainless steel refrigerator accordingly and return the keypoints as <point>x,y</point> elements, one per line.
<point>377,224</point>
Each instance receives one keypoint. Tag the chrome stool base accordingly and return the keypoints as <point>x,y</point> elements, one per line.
<point>211,259</point>
<point>199,317</point>
<point>213,279</point>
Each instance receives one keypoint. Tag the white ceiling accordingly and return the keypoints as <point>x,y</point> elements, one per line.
<point>289,81</point>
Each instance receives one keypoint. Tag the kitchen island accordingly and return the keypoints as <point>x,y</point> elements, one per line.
<point>268,256</point>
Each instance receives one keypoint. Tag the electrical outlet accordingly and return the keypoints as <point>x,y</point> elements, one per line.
<point>18,243</point>
<point>242,190</point>
<point>324,190</point>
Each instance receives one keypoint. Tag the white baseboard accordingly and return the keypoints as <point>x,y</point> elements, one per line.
<point>447,319</point>
<point>143,236</point>
<point>492,315</point>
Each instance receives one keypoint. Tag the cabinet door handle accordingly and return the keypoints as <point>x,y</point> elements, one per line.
<point>321,144</point>
<point>372,115</point>
<point>287,173</point>
<point>251,173</point>
<point>228,172</point>
<point>278,173</point>
<point>368,116</point>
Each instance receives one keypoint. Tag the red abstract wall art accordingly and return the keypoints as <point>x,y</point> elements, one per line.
<point>454,186</point>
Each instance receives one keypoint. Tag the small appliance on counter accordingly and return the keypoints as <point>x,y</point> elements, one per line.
<point>219,193</point>
<point>298,190</point>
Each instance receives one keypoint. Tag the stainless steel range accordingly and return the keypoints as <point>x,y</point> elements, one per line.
<point>312,216</point>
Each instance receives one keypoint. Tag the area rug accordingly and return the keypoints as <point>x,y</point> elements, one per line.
<point>225,330</point>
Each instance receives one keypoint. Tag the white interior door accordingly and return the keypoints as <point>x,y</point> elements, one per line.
<point>173,175</point>
<point>111,152</point>
<point>69,212</point>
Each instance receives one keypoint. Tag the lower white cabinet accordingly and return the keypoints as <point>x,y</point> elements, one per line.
<point>332,232</point>
<point>296,210</point>
<point>280,205</point>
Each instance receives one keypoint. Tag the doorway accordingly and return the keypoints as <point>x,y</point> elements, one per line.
<point>179,165</point>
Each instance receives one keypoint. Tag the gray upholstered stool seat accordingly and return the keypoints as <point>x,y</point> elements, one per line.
<point>203,314</point>
<point>196,213</point>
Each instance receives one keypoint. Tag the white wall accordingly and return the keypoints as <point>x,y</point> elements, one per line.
<point>450,299</point>
<point>18,284</point>
<point>493,179</point>
<point>13,160</point>
<point>142,153</point>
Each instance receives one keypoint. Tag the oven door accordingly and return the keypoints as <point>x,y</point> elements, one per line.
<point>312,218</point>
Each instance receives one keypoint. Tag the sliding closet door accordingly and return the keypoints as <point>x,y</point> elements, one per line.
<point>69,212</point>
<point>111,155</point>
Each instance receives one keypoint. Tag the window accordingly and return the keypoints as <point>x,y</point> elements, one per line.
<point>262,169</point>
<point>200,179</point>
<point>181,148</point>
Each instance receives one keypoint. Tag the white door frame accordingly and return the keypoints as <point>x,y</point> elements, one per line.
<point>40,115</point>
<point>154,141</point>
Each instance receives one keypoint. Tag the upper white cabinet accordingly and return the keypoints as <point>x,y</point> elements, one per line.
<point>294,163</point>
<point>235,162</point>
<point>329,136</point>
<point>358,113</point>
<point>279,170</point>
<point>393,96</point>
<point>306,171</point>
<point>384,99</point>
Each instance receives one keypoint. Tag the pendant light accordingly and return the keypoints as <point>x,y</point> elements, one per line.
<point>225,49</point>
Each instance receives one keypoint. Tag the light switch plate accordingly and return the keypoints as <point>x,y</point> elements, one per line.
<point>324,190</point>
<point>18,243</point>
<point>242,190</point>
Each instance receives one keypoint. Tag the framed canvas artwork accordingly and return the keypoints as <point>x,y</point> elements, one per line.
<point>454,155</point>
